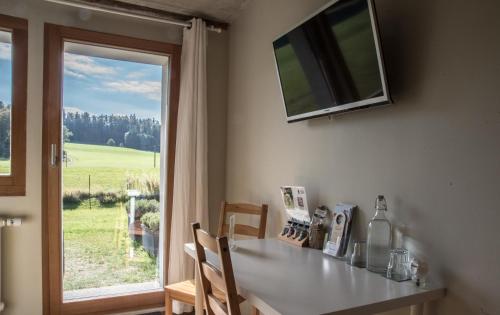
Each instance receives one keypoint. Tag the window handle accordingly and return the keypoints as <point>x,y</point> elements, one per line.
<point>53,155</point>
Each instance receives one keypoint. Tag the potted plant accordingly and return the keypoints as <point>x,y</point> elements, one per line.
<point>150,223</point>
<point>141,207</point>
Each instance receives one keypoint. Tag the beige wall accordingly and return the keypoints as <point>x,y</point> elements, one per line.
<point>435,153</point>
<point>21,261</point>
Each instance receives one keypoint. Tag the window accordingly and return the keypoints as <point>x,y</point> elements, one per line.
<point>13,68</point>
<point>110,110</point>
<point>112,157</point>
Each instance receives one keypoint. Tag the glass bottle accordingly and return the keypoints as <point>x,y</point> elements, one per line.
<point>379,238</point>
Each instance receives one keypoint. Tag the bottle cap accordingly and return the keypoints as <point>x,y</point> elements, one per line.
<point>380,203</point>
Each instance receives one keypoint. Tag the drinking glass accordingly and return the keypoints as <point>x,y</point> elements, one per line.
<point>230,234</point>
<point>398,268</point>
<point>358,256</point>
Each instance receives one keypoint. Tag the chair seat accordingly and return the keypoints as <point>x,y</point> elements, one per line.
<point>185,292</point>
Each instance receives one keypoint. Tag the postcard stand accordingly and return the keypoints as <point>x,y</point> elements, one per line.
<point>296,231</point>
<point>340,230</point>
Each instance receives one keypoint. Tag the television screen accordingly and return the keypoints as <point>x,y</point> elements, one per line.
<point>332,62</point>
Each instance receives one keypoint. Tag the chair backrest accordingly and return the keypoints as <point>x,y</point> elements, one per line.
<point>242,229</point>
<point>211,276</point>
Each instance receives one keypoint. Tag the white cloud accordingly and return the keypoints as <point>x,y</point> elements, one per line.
<point>136,74</point>
<point>74,110</point>
<point>73,73</point>
<point>5,52</point>
<point>150,89</point>
<point>78,65</point>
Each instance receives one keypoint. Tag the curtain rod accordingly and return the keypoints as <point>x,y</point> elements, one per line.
<point>122,12</point>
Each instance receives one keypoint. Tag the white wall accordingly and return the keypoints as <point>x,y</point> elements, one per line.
<point>22,252</point>
<point>435,153</point>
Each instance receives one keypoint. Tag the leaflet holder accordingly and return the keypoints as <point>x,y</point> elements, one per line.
<point>296,231</point>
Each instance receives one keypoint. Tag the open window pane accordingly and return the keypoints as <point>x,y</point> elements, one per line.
<point>5,102</point>
<point>112,171</point>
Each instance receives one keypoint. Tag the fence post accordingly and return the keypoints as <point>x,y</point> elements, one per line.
<point>90,196</point>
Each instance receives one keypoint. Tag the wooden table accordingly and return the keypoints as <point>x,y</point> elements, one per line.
<point>278,278</point>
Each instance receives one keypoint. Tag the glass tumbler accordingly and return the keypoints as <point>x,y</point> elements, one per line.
<point>398,268</point>
<point>358,256</point>
<point>230,233</point>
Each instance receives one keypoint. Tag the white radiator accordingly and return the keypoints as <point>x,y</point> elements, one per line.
<point>6,222</point>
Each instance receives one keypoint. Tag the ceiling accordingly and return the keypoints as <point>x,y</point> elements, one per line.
<point>219,10</point>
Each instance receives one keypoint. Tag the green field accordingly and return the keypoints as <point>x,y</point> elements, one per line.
<point>107,166</point>
<point>97,246</point>
<point>4,166</point>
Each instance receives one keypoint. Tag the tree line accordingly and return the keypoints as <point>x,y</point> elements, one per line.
<point>114,130</point>
<point>4,130</point>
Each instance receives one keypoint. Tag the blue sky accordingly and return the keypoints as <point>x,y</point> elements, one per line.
<point>107,86</point>
<point>100,86</point>
<point>5,73</point>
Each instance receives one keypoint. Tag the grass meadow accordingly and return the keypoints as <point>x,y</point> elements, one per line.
<point>96,242</point>
<point>97,247</point>
<point>107,166</point>
<point>4,166</point>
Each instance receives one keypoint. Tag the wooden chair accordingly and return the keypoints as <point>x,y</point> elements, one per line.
<point>216,279</point>
<point>185,291</point>
<point>241,229</point>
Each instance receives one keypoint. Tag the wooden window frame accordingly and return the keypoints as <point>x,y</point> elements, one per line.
<point>55,36</point>
<point>15,183</point>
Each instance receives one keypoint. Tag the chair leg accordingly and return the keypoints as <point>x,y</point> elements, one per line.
<point>168,304</point>
<point>255,311</point>
<point>417,309</point>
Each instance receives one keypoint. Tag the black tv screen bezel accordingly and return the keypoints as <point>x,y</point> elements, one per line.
<point>348,107</point>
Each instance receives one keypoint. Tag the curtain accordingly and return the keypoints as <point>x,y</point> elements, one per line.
<point>190,200</point>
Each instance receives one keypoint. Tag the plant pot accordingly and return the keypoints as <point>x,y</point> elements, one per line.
<point>150,241</point>
<point>135,230</point>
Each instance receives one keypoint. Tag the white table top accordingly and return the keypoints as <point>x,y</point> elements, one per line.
<point>280,278</point>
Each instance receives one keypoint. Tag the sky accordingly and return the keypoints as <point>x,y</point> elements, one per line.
<point>107,86</point>
<point>5,73</point>
<point>99,85</point>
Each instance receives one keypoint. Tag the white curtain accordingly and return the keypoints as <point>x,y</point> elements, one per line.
<point>190,200</point>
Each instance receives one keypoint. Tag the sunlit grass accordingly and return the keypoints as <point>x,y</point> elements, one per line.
<point>97,247</point>
<point>96,241</point>
<point>4,166</point>
<point>107,166</point>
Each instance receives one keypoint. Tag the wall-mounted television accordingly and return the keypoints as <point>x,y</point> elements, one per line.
<point>332,62</point>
